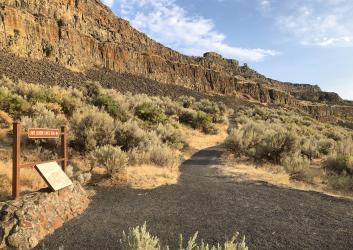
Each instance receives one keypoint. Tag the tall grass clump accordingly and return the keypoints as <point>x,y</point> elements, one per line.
<point>139,238</point>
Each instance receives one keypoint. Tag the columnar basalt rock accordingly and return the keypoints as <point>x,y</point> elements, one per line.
<point>85,34</point>
<point>24,222</point>
<point>82,35</point>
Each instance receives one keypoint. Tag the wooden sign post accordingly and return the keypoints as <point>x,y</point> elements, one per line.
<point>34,133</point>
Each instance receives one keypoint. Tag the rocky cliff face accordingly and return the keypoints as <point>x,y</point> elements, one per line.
<point>84,34</point>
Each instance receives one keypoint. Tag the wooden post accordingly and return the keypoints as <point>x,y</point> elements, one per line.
<point>64,147</point>
<point>16,158</point>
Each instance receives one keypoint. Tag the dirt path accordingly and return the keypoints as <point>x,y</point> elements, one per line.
<point>269,216</point>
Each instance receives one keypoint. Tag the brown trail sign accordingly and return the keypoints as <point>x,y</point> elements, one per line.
<point>37,133</point>
<point>43,133</point>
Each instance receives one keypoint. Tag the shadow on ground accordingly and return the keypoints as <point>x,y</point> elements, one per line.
<point>271,217</point>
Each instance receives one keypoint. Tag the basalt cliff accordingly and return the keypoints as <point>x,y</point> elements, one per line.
<point>84,35</point>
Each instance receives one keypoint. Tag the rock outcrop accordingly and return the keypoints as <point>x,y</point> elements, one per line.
<point>83,35</point>
<point>24,222</point>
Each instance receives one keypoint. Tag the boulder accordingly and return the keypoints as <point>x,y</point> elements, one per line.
<point>26,221</point>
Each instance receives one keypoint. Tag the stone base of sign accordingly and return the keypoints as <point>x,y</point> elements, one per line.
<point>24,222</point>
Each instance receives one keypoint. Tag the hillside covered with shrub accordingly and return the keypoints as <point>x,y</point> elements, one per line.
<point>306,148</point>
<point>107,129</point>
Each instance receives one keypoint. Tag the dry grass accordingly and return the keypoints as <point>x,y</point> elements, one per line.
<point>198,140</point>
<point>29,178</point>
<point>144,177</point>
<point>244,171</point>
<point>149,177</point>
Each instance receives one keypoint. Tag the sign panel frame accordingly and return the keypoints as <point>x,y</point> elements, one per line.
<point>43,133</point>
<point>53,175</point>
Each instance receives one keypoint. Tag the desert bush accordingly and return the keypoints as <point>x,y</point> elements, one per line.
<point>275,144</point>
<point>41,117</point>
<point>110,157</point>
<point>139,238</point>
<point>151,113</point>
<point>187,101</point>
<point>342,182</point>
<point>70,104</point>
<point>334,135</point>
<point>92,128</point>
<point>130,135</point>
<point>187,116</point>
<point>5,120</point>
<point>339,165</point>
<point>107,102</point>
<point>208,107</point>
<point>326,146</point>
<point>345,147</point>
<point>157,154</point>
<point>309,148</point>
<point>170,107</point>
<point>242,140</point>
<point>170,135</point>
<point>296,165</point>
<point>203,121</point>
<point>13,104</point>
<point>233,244</point>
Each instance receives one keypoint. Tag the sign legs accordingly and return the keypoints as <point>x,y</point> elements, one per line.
<point>64,147</point>
<point>16,160</point>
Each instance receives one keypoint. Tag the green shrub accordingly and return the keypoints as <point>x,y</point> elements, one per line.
<point>42,117</point>
<point>309,148</point>
<point>198,120</point>
<point>139,238</point>
<point>92,128</point>
<point>275,145</point>
<point>187,117</point>
<point>151,113</point>
<point>13,104</point>
<point>342,182</point>
<point>112,158</point>
<point>187,101</point>
<point>155,154</point>
<point>170,135</point>
<point>326,146</point>
<point>242,140</point>
<point>339,165</point>
<point>203,121</point>
<point>5,120</point>
<point>208,107</point>
<point>107,102</point>
<point>233,244</point>
<point>296,165</point>
<point>70,104</point>
<point>129,135</point>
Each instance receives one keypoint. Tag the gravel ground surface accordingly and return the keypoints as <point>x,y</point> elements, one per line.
<point>269,216</point>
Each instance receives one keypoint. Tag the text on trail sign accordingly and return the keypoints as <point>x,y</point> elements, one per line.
<point>42,133</point>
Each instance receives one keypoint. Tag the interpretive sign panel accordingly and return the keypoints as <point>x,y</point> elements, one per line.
<point>54,175</point>
<point>43,133</point>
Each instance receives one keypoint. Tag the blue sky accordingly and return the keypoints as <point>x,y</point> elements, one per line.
<point>304,41</point>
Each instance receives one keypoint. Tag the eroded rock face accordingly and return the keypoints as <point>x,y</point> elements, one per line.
<point>24,222</point>
<point>84,34</point>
